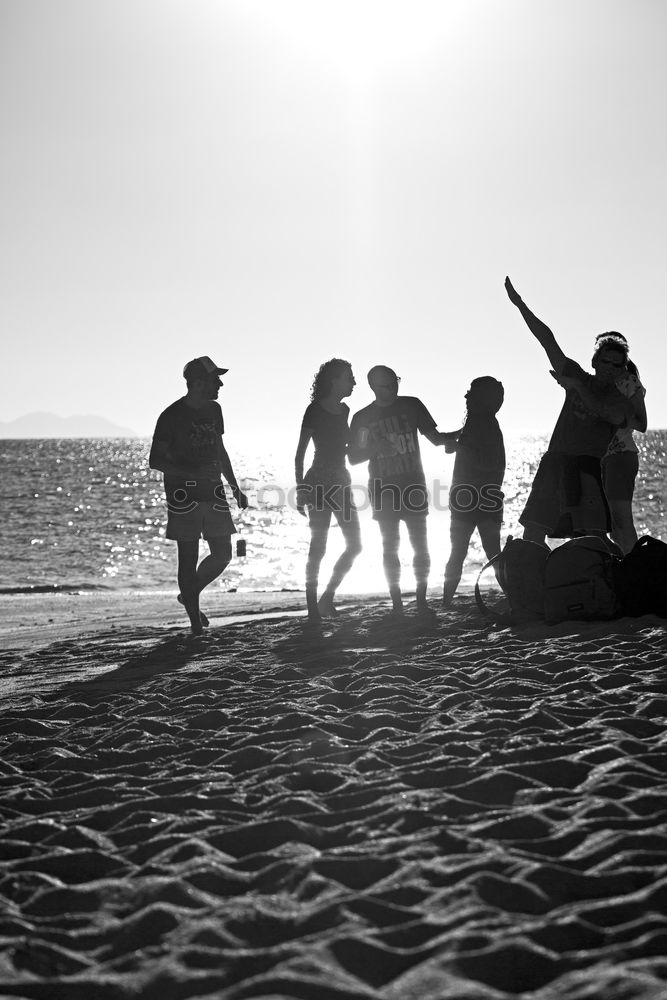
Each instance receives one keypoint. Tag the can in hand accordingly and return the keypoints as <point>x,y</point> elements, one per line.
<point>240,546</point>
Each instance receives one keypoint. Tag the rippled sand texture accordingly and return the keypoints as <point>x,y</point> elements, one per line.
<point>434,810</point>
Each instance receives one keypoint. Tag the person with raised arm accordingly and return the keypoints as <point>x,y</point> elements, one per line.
<point>386,435</point>
<point>567,497</point>
<point>325,489</point>
<point>188,449</point>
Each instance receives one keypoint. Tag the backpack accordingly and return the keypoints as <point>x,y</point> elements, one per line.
<point>641,578</point>
<point>575,581</point>
<point>519,569</point>
<point>579,581</point>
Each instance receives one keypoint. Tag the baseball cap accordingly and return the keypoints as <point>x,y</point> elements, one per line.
<point>201,367</point>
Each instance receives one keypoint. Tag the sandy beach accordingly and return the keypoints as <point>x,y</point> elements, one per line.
<point>426,809</point>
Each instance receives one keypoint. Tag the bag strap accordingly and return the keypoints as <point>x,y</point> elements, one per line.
<point>484,609</point>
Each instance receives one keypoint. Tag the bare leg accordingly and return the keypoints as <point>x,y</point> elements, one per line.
<point>390,530</point>
<point>202,617</point>
<point>319,531</point>
<point>623,530</point>
<point>188,553</point>
<point>460,533</point>
<point>489,532</point>
<point>348,519</point>
<point>211,567</point>
<point>619,474</point>
<point>216,562</point>
<point>535,533</point>
<point>421,560</point>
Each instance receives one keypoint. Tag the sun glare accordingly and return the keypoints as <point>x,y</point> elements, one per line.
<point>361,37</point>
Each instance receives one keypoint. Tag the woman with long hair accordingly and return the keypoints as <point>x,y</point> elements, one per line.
<point>325,489</point>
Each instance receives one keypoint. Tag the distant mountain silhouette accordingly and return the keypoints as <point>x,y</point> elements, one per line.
<point>48,425</point>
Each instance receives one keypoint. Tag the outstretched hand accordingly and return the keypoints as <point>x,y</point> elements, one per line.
<point>514,296</point>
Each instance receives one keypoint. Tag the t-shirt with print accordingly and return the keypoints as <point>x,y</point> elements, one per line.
<point>193,439</point>
<point>623,440</point>
<point>396,475</point>
<point>330,434</point>
<point>578,430</point>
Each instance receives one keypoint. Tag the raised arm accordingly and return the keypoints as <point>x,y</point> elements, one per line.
<point>540,330</point>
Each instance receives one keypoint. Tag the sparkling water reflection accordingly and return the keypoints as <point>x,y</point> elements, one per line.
<point>90,513</point>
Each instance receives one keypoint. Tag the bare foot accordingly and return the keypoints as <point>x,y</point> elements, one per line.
<point>195,621</point>
<point>396,600</point>
<point>202,617</point>
<point>325,606</point>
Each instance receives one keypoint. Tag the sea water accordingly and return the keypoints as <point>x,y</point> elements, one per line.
<point>88,513</point>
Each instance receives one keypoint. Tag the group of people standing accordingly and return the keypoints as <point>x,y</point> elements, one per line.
<point>584,483</point>
<point>386,435</point>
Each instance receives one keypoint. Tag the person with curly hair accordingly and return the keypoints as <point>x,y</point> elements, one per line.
<point>325,488</point>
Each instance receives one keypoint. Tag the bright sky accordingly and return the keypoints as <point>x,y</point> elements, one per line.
<point>275,182</point>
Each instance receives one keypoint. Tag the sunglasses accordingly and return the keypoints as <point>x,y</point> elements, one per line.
<point>612,364</point>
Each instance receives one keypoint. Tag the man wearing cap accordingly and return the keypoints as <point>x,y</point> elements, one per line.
<point>187,448</point>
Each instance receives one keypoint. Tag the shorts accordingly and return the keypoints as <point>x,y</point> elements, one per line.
<point>337,498</point>
<point>205,519</point>
<point>397,502</point>
<point>476,517</point>
<point>566,498</point>
<point>473,505</point>
<point>619,471</point>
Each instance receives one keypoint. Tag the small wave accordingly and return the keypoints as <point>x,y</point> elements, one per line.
<point>54,588</point>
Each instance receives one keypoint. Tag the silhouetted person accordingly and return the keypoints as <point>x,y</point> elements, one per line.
<point>325,488</point>
<point>475,495</point>
<point>567,498</point>
<point>620,464</point>
<point>386,435</point>
<point>187,448</point>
